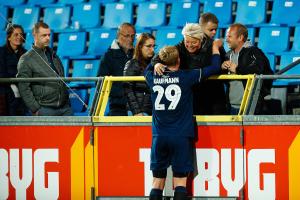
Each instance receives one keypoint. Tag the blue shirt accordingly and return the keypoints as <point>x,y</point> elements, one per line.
<point>172,99</point>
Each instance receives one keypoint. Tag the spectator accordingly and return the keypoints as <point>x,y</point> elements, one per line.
<point>195,54</point>
<point>43,98</point>
<point>138,93</point>
<point>209,24</point>
<point>243,58</point>
<point>10,53</point>
<point>172,120</point>
<point>113,63</point>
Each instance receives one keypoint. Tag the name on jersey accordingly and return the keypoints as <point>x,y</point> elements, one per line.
<point>166,80</point>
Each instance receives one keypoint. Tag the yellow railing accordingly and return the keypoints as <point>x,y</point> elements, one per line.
<point>108,81</point>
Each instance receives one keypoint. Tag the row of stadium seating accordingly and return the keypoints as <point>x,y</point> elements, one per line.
<point>153,14</point>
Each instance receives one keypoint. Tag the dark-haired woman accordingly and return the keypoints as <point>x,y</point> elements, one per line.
<point>10,53</point>
<point>138,93</point>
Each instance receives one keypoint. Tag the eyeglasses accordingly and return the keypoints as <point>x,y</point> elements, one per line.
<point>128,35</point>
<point>150,46</point>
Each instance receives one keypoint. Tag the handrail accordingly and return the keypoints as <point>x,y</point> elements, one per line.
<point>108,80</point>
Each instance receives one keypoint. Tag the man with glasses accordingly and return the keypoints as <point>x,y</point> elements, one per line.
<point>112,64</point>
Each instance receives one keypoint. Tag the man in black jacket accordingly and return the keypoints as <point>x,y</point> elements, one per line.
<point>113,63</point>
<point>243,58</point>
<point>43,98</point>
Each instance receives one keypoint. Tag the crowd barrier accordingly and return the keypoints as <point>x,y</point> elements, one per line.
<point>100,157</point>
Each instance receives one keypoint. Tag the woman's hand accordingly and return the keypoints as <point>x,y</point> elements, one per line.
<point>159,69</point>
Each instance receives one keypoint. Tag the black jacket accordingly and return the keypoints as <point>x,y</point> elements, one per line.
<point>137,92</point>
<point>8,63</point>
<point>252,60</point>
<point>208,96</point>
<point>112,64</point>
<point>36,94</point>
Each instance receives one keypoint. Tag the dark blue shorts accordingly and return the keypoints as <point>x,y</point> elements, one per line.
<point>172,150</point>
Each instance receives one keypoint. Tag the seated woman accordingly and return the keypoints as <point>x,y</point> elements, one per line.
<point>138,93</point>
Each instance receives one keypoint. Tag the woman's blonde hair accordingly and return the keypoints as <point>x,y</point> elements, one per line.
<point>169,55</point>
<point>193,30</point>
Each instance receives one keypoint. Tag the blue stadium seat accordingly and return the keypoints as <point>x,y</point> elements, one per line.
<point>274,39</point>
<point>3,18</point>
<point>117,13</point>
<point>183,12</point>
<point>286,59</point>
<point>87,15</point>
<point>132,1</point>
<point>151,15</point>
<point>11,2</point>
<point>58,17</point>
<point>2,38</point>
<point>70,1</point>
<point>272,60</point>
<point>167,37</point>
<point>30,40</point>
<point>66,65</point>
<point>85,68</point>
<point>285,12</point>
<point>104,1</point>
<point>26,16</point>
<point>296,42</point>
<point>100,40</point>
<point>221,8</point>
<point>71,44</point>
<point>251,38</point>
<point>251,12</point>
<point>39,2</point>
<point>76,103</point>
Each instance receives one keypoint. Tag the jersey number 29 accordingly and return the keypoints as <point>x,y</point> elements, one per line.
<point>172,93</point>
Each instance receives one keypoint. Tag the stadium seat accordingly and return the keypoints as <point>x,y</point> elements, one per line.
<point>274,39</point>
<point>104,1</point>
<point>151,15</point>
<point>70,1</point>
<point>76,104</point>
<point>71,44</point>
<point>183,12</point>
<point>87,15</point>
<point>251,12</point>
<point>85,68</point>
<point>26,16</point>
<point>2,38</point>
<point>58,17</point>
<point>285,12</point>
<point>11,2</point>
<point>100,40</point>
<point>66,66</point>
<point>132,1</point>
<point>3,18</point>
<point>221,8</point>
<point>39,2</point>
<point>167,37</point>
<point>272,60</point>
<point>296,42</point>
<point>117,13</point>
<point>285,60</point>
<point>30,40</point>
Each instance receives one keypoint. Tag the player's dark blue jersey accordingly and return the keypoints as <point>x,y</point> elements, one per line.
<point>172,99</point>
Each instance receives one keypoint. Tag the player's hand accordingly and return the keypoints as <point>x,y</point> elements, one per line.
<point>139,114</point>
<point>159,69</point>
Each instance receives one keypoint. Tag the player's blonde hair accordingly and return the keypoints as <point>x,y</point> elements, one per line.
<point>169,55</point>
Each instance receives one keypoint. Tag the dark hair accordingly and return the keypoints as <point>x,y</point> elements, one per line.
<point>122,26</point>
<point>141,39</point>
<point>240,30</point>
<point>10,29</point>
<point>208,17</point>
<point>38,25</point>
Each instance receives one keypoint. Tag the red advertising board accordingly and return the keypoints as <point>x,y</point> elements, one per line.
<point>260,165</point>
<point>39,162</point>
